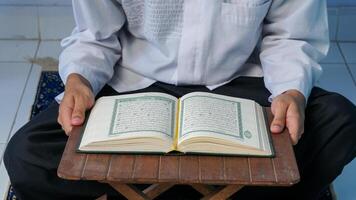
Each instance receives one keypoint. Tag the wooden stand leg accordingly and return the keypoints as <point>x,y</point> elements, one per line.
<point>104,197</point>
<point>129,191</point>
<point>203,189</point>
<point>222,193</point>
<point>155,190</point>
<point>151,192</point>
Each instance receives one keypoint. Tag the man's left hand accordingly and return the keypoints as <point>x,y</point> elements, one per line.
<point>288,109</point>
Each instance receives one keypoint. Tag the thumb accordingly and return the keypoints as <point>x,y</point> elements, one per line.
<point>78,114</point>
<point>279,119</point>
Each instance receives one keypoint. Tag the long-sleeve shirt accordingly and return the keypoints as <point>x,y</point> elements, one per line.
<point>130,44</point>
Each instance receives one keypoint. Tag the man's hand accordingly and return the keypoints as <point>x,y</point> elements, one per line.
<point>78,97</point>
<point>288,110</point>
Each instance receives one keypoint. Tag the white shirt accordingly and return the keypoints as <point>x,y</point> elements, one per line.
<point>130,44</point>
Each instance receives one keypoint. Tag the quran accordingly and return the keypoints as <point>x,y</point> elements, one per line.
<point>158,123</point>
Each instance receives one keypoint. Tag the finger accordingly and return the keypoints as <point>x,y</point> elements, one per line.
<point>279,119</point>
<point>66,110</point>
<point>66,124</point>
<point>59,119</point>
<point>90,101</point>
<point>295,123</point>
<point>293,128</point>
<point>80,105</point>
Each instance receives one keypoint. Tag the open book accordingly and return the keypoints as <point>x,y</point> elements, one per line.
<point>199,123</point>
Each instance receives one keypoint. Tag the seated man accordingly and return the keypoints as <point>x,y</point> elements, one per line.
<point>266,50</point>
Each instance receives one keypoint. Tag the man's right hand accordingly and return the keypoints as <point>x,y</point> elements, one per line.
<point>78,97</point>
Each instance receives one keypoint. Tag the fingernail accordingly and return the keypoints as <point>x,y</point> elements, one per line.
<point>76,120</point>
<point>276,128</point>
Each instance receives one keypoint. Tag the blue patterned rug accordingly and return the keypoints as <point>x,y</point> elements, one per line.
<point>51,85</point>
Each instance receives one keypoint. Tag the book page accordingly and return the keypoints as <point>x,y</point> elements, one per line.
<point>133,115</point>
<point>218,116</point>
<point>138,114</point>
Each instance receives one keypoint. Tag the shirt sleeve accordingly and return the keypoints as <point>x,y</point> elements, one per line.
<point>295,38</point>
<point>93,48</point>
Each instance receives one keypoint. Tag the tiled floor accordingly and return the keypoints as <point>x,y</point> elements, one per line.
<point>29,43</point>
<point>51,18</point>
<point>26,25</point>
<point>17,50</point>
<point>32,35</point>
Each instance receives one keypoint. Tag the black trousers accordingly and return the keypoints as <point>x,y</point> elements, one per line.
<point>328,144</point>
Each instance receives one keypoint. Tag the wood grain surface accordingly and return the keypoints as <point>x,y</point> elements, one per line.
<point>182,169</point>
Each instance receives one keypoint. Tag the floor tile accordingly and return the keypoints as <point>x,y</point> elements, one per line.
<point>36,2</point>
<point>25,107</point>
<point>341,3</point>
<point>336,78</point>
<point>347,28</point>
<point>345,184</point>
<point>334,54</point>
<point>353,70</point>
<point>55,2</point>
<point>56,22</point>
<point>18,2</point>
<point>13,77</point>
<point>4,182</point>
<point>2,148</point>
<point>18,22</point>
<point>48,55</point>
<point>17,50</point>
<point>348,49</point>
<point>4,179</point>
<point>49,49</point>
<point>332,17</point>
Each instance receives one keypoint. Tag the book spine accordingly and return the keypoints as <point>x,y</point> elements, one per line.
<point>176,130</point>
